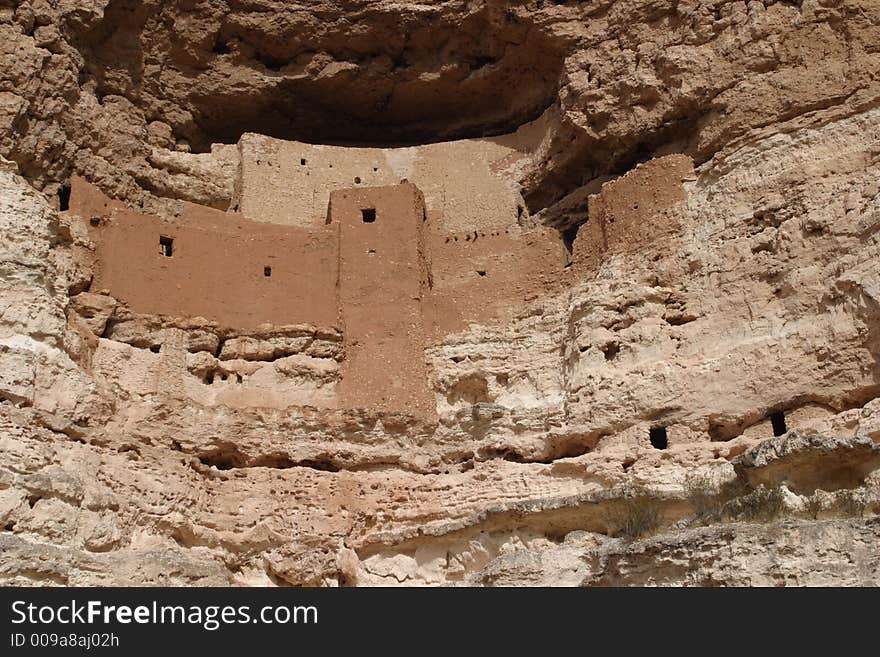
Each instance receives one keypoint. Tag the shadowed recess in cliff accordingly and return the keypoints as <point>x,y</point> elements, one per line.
<point>374,77</point>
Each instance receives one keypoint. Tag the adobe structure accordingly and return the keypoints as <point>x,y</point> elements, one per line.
<point>449,293</point>
<point>324,241</point>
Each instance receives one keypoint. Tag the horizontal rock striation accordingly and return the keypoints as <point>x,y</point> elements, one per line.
<point>688,397</point>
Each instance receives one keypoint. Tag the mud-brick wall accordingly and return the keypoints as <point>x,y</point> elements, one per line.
<point>632,211</point>
<point>236,272</point>
<point>288,182</point>
<point>383,278</point>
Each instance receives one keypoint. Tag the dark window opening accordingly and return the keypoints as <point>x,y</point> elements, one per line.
<point>165,246</point>
<point>481,272</point>
<point>568,237</point>
<point>64,197</point>
<point>224,377</point>
<point>368,215</point>
<point>357,180</point>
<point>156,348</point>
<point>95,221</point>
<point>209,378</point>
<point>302,162</point>
<point>611,350</point>
<point>777,419</point>
<point>658,437</point>
<point>221,47</point>
<point>267,271</point>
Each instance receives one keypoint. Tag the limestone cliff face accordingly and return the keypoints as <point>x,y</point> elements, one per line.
<point>693,399</point>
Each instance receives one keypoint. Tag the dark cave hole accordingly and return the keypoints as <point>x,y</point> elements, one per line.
<point>659,439</point>
<point>220,461</point>
<point>568,237</point>
<point>777,419</point>
<point>64,197</point>
<point>221,46</point>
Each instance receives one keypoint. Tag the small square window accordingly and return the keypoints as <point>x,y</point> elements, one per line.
<point>267,271</point>
<point>368,215</point>
<point>166,246</point>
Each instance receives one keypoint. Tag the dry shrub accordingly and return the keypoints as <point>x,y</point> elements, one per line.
<point>761,505</point>
<point>708,501</point>
<point>851,505</point>
<point>634,516</point>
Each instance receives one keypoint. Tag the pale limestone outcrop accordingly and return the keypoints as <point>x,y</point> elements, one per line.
<point>807,462</point>
<point>123,94</point>
<point>790,553</point>
<point>761,294</point>
<point>538,435</point>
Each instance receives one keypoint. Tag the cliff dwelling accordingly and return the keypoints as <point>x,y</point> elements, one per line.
<point>458,293</point>
<point>329,241</point>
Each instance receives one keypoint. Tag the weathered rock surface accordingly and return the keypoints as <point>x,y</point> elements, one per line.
<point>789,553</point>
<point>808,462</point>
<point>119,91</point>
<point>751,289</point>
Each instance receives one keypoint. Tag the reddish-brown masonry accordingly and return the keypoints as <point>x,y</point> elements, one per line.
<point>213,264</point>
<point>380,267</point>
<point>628,213</point>
<point>382,282</point>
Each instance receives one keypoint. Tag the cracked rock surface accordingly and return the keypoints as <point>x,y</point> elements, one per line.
<point>751,292</point>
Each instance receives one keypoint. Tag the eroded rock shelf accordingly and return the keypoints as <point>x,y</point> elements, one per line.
<point>440,294</point>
